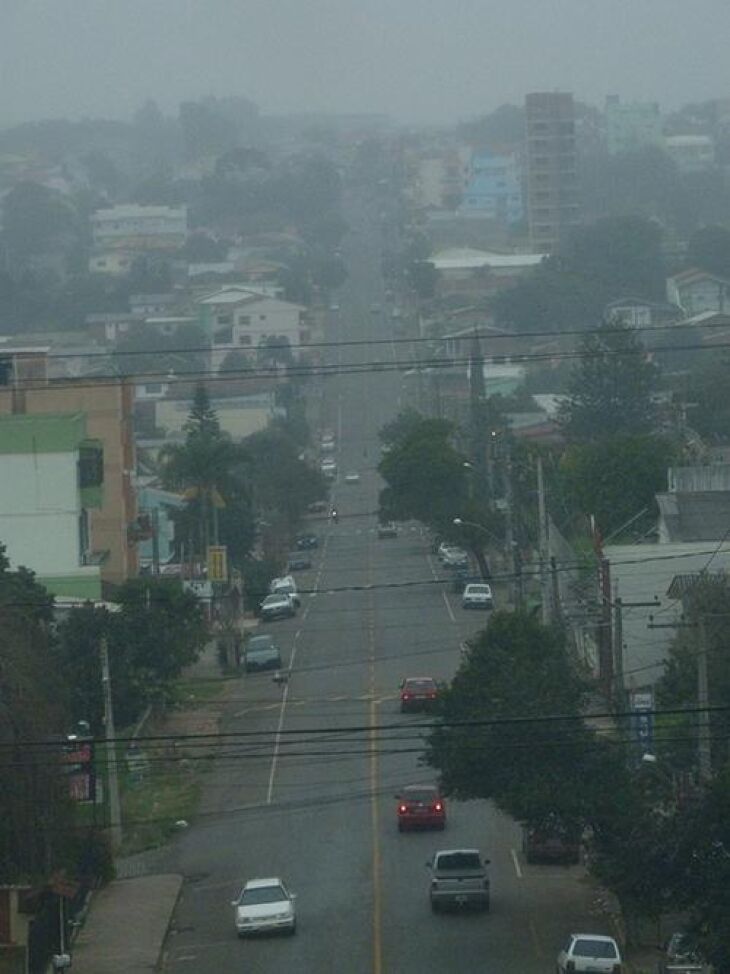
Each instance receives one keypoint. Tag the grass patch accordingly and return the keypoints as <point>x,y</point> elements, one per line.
<point>152,806</point>
<point>195,693</point>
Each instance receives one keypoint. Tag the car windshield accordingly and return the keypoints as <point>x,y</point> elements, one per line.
<point>274,599</point>
<point>420,685</point>
<point>603,949</point>
<point>479,590</point>
<point>262,894</point>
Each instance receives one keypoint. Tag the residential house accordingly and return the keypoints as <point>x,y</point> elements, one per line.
<point>52,478</point>
<point>469,273</point>
<point>242,319</point>
<point>640,313</point>
<point>696,291</point>
<point>696,505</point>
<point>646,572</point>
<point>106,404</point>
<point>139,228</point>
<point>116,263</point>
<point>153,304</point>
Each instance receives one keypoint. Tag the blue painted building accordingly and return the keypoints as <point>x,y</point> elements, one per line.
<point>494,188</point>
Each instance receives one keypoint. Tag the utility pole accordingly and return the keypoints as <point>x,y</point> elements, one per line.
<point>156,540</point>
<point>509,534</point>
<point>544,546</point>
<point>115,810</point>
<point>704,744</point>
<point>618,645</point>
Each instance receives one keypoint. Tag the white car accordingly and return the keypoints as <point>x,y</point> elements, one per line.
<point>352,478</point>
<point>477,596</point>
<point>263,905</point>
<point>592,952</point>
<point>454,557</point>
<point>279,606</point>
<point>285,586</point>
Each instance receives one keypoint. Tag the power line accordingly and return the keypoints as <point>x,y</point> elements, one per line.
<point>364,342</point>
<point>349,368</point>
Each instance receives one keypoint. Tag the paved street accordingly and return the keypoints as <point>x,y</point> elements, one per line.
<point>307,789</point>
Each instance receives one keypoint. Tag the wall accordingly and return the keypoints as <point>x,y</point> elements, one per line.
<point>107,405</point>
<point>39,511</point>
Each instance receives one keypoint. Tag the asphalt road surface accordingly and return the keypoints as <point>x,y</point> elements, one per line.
<point>305,787</point>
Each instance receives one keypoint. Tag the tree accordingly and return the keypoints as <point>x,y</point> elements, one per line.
<point>709,249</point>
<point>282,482</point>
<point>207,466</point>
<point>423,276</point>
<point>425,477</point>
<point>35,813</point>
<point>159,630</point>
<point>611,387</point>
<point>619,254</point>
<point>706,388</point>
<point>35,219</point>
<point>516,667</point>
<point>616,477</point>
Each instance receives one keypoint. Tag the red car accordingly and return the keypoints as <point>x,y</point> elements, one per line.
<point>421,807</point>
<point>418,693</point>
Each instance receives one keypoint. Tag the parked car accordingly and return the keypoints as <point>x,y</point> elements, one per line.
<point>261,652</point>
<point>264,905</point>
<point>551,842</point>
<point>387,530</point>
<point>477,596</point>
<point>305,542</point>
<point>592,952</point>
<point>298,561</point>
<point>418,693</point>
<point>464,576</point>
<point>421,806</point>
<point>459,880</point>
<point>279,606</point>
<point>682,957</point>
<point>453,557</point>
<point>285,585</point>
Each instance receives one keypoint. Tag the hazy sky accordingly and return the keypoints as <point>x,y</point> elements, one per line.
<point>414,59</point>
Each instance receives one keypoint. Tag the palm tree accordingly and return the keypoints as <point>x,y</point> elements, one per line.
<point>203,467</point>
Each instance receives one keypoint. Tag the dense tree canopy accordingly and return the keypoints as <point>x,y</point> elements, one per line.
<point>610,391</point>
<point>616,477</point>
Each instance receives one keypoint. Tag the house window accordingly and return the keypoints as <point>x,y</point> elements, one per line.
<point>244,319</point>
<point>262,317</point>
<point>244,339</point>
<point>153,388</point>
<point>224,320</point>
<point>223,336</point>
<point>91,466</point>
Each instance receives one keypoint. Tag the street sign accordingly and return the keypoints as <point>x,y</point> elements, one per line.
<point>642,718</point>
<point>217,563</point>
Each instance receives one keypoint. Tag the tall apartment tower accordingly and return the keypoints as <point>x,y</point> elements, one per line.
<point>552,171</point>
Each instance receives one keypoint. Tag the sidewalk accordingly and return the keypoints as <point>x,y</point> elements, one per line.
<point>126,926</point>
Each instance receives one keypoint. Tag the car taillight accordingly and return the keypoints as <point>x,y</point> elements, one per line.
<point>402,809</point>
<point>438,807</point>
<point>432,695</point>
<point>405,696</point>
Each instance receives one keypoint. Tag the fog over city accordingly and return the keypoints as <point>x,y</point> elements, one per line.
<point>413,59</point>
